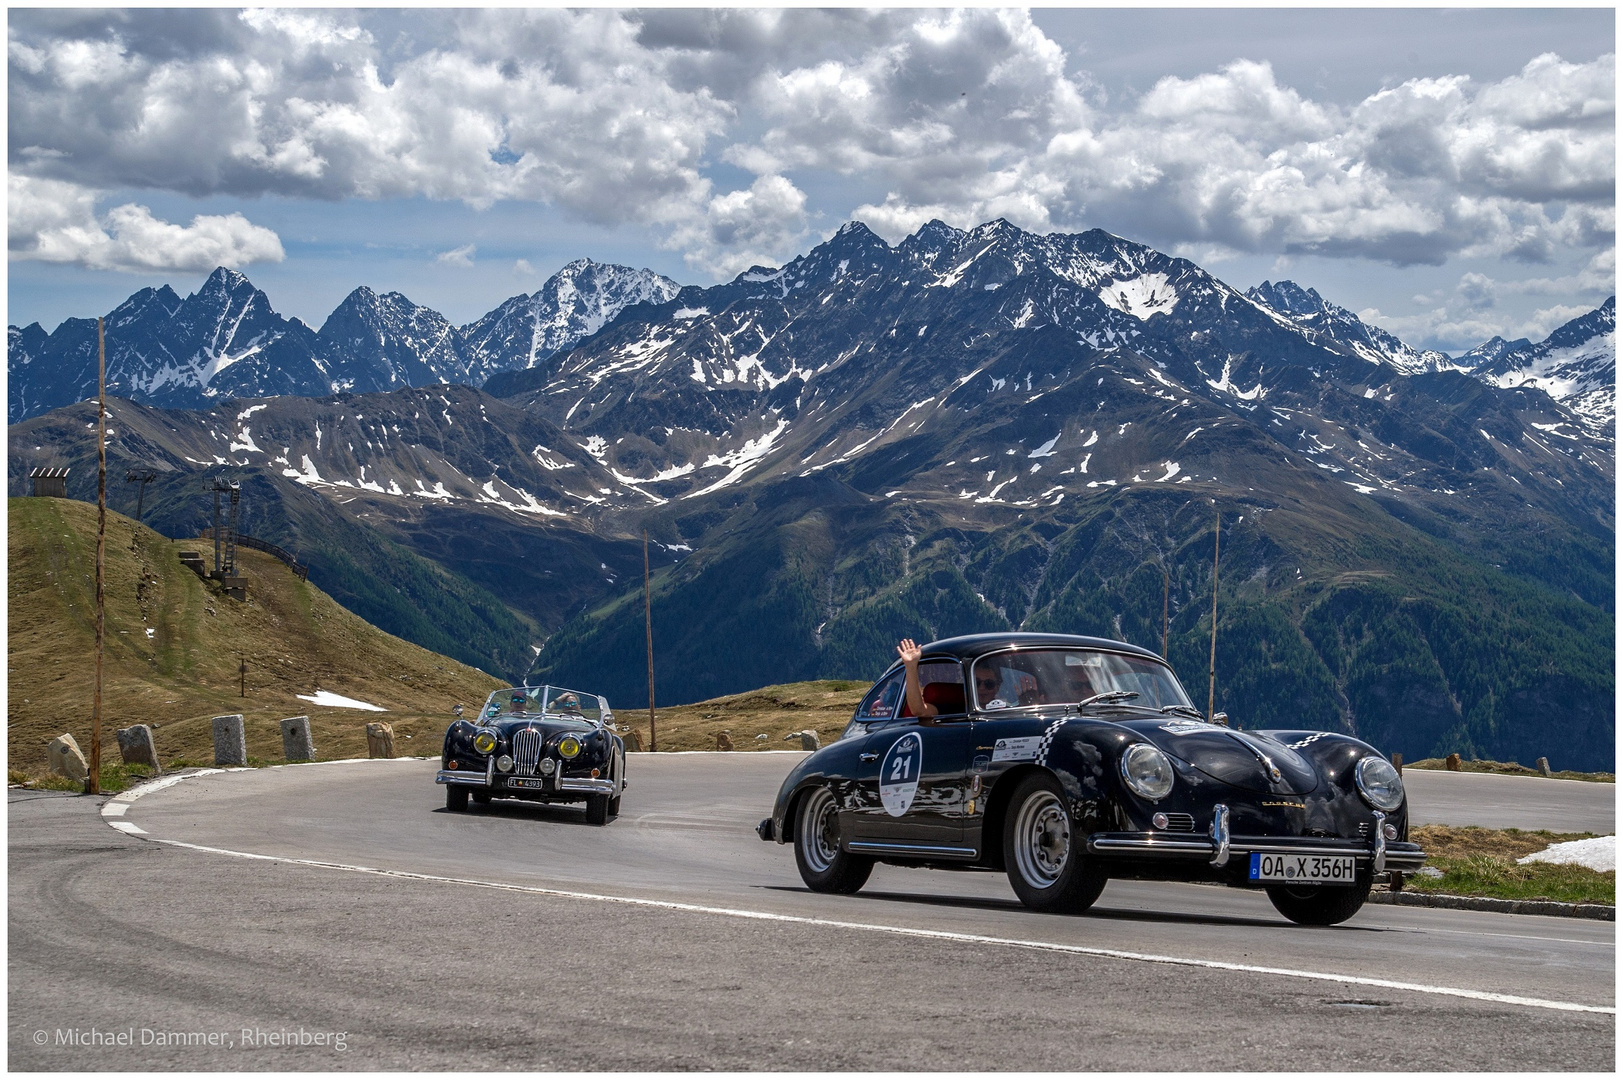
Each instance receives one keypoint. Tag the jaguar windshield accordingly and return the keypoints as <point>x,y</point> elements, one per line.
<point>1026,677</point>
<point>551,701</point>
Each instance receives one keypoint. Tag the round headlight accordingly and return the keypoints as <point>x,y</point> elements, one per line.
<point>1379,783</point>
<point>484,742</point>
<point>568,747</point>
<point>504,763</point>
<point>1147,772</point>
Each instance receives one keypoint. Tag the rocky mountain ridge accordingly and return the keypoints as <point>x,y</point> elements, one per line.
<point>226,341</point>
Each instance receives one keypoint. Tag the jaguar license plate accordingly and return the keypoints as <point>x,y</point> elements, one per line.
<point>1303,869</point>
<point>525,782</point>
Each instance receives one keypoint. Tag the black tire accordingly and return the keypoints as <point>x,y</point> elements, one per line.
<point>1320,905</point>
<point>824,866</point>
<point>619,784</point>
<point>481,797</point>
<point>1042,853</point>
<point>456,798</point>
<point>597,809</point>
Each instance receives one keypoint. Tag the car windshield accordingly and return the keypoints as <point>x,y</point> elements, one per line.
<point>553,701</point>
<point>1028,677</point>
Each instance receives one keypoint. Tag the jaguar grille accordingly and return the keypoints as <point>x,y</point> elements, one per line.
<point>526,751</point>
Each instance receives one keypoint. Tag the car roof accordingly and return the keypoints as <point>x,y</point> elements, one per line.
<point>969,646</point>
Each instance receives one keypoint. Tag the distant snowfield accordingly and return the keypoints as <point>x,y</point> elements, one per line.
<point>1599,853</point>
<point>338,701</point>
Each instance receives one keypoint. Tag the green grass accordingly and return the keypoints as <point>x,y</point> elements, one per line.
<point>1482,862</point>
<point>114,778</point>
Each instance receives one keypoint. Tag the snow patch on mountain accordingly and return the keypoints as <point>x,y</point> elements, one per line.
<point>1142,296</point>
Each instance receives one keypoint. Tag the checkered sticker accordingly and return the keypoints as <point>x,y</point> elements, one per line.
<point>1048,741</point>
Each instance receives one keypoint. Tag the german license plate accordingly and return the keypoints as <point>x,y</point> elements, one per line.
<point>524,782</point>
<point>1303,869</point>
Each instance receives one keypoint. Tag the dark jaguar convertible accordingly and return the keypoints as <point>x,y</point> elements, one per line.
<point>1066,761</point>
<point>541,743</point>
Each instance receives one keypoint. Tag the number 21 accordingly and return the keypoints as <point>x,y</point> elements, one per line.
<point>902,768</point>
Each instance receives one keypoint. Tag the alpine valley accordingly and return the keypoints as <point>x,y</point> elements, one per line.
<point>964,431</point>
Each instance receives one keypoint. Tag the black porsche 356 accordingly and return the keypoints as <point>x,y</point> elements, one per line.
<point>541,743</point>
<point>1066,761</point>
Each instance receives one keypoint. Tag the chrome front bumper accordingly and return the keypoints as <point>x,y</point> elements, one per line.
<point>1218,848</point>
<point>494,781</point>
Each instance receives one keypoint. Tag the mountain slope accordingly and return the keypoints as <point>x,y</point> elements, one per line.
<point>1576,365</point>
<point>174,646</point>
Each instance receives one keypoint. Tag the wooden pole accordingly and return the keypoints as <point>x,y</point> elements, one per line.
<point>1166,596</point>
<point>1211,670</point>
<point>93,779</point>
<point>648,625</point>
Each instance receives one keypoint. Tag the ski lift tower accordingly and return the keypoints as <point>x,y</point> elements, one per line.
<point>225,540</point>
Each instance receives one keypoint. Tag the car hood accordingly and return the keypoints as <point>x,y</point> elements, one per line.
<point>1238,758</point>
<point>548,726</point>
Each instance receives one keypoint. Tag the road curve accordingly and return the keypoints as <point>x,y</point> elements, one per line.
<point>674,939</point>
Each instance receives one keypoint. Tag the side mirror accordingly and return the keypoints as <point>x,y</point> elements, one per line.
<point>456,710</point>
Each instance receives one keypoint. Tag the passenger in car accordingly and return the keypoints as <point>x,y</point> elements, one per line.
<point>910,653</point>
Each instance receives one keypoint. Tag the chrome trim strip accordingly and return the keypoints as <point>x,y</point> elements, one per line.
<point>490,771</point>
<point>1162,844</point>
<point>911,849</point>
<point>1378,849</point>
<point>459,776</point>
<point>1150,845</point>
<point>1220,835</point>
<point>582,783</point>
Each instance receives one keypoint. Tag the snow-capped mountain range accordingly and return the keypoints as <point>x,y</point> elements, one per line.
<point>226,341</point>
<point>966,429</point>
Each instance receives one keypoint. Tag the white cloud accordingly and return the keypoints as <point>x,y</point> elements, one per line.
<point>53,221</point>
<point>462,256</point>
<point>626,118</point>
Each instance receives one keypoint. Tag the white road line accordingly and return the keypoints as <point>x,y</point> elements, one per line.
<point>905,931</point>
<point>128,827</point>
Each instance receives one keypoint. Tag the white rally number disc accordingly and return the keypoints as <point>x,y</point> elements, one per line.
<point>899,774</point>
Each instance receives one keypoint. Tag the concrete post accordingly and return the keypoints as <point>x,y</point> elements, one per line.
<point>1544,766</point>
<point>230,740</point>
<point>379,740</point>
<point>297,742</point>
<point>1452,763</point>
<point>136,745</point>
<point>1397,763</point>
<point>65,758</point>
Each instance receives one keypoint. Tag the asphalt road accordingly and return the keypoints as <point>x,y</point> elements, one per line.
<point>674,939</point>
<point>1510,802</point>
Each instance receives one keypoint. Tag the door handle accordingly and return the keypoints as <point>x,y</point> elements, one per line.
<point>867,757</point>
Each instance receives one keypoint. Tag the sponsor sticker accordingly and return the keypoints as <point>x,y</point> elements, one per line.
<point>1022,749</point>
<point>899,774</point>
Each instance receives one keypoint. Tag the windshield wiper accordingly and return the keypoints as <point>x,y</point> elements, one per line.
<point>1186,710</point>
<point>1107,697</point>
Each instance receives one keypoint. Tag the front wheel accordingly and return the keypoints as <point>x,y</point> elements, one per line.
<point>823,866</point>
<point>1320,905</point>
<point>456,798</point>
<point>619,785</point>
<point>597,809</point>
<point>1042,853</point>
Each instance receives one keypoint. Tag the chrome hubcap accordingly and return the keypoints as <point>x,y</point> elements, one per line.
<point>819,831</point>
<point>1043,839</point>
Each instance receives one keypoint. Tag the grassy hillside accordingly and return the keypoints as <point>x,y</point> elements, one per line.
<point>824,706</point>
<point>174,643</point>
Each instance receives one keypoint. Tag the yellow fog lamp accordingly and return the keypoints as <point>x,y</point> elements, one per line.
<point>569,747</point>
<point>484,742</point>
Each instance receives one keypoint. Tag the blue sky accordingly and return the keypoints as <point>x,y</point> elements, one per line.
<point>1448,174</point>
